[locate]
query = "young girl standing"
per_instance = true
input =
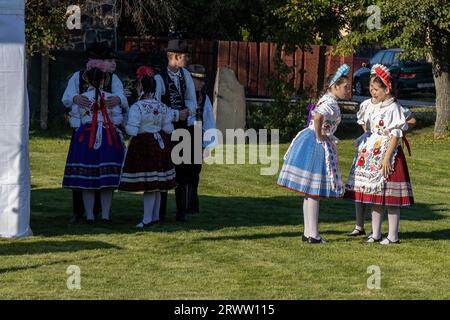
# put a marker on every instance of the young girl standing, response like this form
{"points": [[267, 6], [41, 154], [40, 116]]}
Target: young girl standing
{"points": [[148, 166], [96, 150], [379, 174], [311, 163], [362, 119]]}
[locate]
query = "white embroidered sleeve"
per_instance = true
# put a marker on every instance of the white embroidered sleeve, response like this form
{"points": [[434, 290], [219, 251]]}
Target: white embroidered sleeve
{"points": [[167, 126], [117, 90], [134, 120], [406, 112], [160, 87], [397, 122], [190, 98], [72, 90], [361, 115], [75, 116]]}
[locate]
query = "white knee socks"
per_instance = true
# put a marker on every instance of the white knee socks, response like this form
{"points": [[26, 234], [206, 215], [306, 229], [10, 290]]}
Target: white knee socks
{"points": [[311, 217], [394, 220], [88, 200], [360, 210], [306, 231], [106, 199], [377, 219], [149, 204]]}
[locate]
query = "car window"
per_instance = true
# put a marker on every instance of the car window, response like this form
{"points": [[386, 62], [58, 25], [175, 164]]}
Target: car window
{"points": [[396, 59], [388, 58], [377, 58]]}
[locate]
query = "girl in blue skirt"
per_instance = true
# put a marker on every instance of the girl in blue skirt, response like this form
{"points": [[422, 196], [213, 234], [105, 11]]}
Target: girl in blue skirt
{"points": [[97, 150], [311, 163]]}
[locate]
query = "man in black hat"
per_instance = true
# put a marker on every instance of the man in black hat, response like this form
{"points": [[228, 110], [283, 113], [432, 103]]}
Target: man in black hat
{"points": [[179, 95], [72, 95], [205, 119]]}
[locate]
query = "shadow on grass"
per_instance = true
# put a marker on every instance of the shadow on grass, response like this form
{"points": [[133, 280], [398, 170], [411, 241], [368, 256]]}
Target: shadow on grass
{"points": [[34, 266], [51, 211], [11, 248], [443, 234]]}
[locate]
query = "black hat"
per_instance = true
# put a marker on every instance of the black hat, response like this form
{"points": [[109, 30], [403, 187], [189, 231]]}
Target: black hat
{"points": [[178, 46], [197, 71], [100, 50]]}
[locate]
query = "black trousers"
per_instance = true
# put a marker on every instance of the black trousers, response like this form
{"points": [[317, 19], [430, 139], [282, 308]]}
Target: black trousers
{"points": [[188, 175], [194, 202]]}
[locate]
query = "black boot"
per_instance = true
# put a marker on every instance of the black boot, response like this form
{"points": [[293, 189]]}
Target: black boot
{"points": [[183, 200], [163, 207], [178, 198], [193, 200], [78, 207], [195, 203]]}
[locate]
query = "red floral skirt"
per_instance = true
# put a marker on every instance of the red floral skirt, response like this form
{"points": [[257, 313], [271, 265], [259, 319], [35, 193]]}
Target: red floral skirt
{"points": [[397, 190]]}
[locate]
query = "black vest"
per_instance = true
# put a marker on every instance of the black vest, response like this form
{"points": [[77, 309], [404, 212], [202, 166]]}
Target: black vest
{"points": [[173, 98]]}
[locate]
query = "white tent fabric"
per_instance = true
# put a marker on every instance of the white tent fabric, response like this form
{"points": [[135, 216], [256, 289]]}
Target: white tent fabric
{"points": [[14, 123]]}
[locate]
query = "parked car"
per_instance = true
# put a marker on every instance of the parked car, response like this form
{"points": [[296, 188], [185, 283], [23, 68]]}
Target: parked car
{"points": [[410, 76]]}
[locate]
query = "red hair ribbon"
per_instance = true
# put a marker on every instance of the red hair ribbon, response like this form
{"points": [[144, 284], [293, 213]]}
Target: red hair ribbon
{"points": [[382, 72], [144, 71], [111, 133]]}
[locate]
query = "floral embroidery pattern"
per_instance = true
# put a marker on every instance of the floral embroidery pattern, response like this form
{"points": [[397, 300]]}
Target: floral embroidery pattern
{"points": [[153, 112], [380, 128], [369, 158], [329, 125]]}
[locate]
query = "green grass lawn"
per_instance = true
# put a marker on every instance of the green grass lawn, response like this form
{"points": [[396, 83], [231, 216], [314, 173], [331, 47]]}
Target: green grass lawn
{"points": [[245, 244]]}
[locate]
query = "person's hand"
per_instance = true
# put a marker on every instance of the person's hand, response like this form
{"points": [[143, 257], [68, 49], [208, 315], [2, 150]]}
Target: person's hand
{"points": [[206, 153], [82, 101], [112, 101], [184, 114], [386, 168], [320, 137]]}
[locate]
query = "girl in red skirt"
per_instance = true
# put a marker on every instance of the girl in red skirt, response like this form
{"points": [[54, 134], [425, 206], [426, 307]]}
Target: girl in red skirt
{"points": [[148, 166], [379, 174]]}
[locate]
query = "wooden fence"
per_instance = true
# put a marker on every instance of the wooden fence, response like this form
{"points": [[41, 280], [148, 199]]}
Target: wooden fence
{"points": [[253, 62]]}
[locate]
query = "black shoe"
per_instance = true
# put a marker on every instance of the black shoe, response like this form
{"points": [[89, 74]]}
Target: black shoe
{"points": [[75, 219], [304, 239], [163, 207], [181, 217], [106, 221], [90, 221], [155, 222], [142, 225], [194, 211], [357, 232], [314, 240]]}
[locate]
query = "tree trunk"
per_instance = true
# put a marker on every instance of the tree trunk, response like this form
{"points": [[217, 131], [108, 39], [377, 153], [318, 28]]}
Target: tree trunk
{"points": [[44, 91], [442, 83]]}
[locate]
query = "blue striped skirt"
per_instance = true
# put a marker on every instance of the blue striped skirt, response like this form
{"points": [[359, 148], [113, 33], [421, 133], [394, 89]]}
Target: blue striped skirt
{"points": [[88, 168], [305, 168]]}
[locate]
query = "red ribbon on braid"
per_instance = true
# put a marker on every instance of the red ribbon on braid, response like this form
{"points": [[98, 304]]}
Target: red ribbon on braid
{"points": [[406, 143], [111, 133], [144, 71]]}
